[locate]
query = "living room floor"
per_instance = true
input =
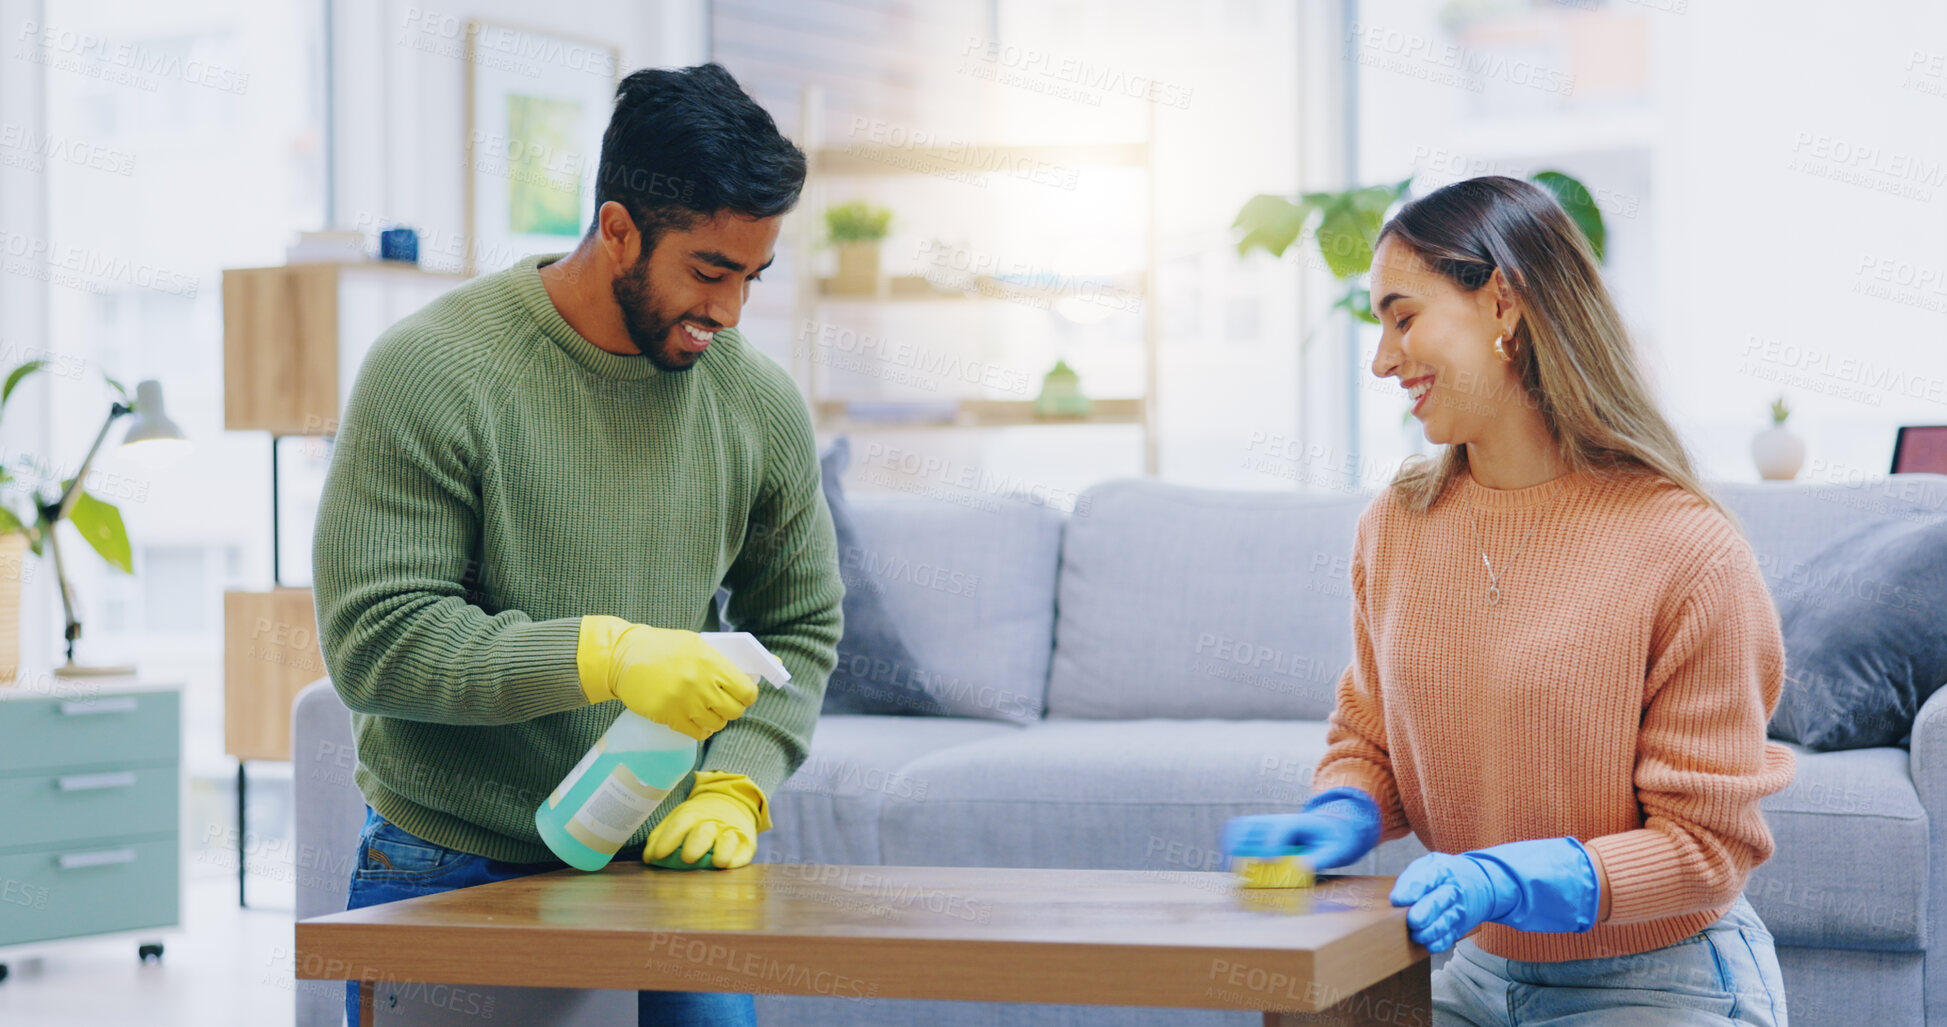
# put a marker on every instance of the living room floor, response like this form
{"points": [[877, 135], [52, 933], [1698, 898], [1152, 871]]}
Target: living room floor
{"points": [[225, 966]]}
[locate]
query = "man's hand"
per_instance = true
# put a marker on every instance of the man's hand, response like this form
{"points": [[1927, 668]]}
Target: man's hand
{"points": [[720, 819], [669, 676]]}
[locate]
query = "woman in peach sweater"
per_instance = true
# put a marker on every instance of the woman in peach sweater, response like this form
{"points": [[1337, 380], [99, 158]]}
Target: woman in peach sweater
{"points": [[1564, 653]]}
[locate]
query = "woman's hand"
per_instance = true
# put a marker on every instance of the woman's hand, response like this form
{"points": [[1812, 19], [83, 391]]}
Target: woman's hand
{"points": [[1543, 885], [1336, 828]]}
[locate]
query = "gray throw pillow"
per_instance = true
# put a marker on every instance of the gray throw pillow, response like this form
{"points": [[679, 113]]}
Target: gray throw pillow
{"points": [[1864, 646], [876, 673]]}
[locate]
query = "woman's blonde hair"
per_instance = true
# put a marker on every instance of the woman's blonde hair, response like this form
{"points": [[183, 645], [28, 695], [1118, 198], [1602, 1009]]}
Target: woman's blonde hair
{"points": [[1574, 357]]}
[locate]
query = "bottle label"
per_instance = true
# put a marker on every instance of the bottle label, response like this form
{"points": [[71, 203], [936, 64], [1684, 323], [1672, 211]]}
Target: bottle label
{"points": [[618, 806], [574, 776]]}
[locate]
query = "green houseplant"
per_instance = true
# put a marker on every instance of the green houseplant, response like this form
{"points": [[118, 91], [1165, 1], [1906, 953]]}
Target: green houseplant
{"points": [[98, 521], [51, 498], [855, 229]]}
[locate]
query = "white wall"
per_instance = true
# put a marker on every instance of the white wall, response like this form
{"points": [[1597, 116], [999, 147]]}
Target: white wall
{"points": [[1728, 243], [1759, 246], [399, 80], [1736, 252]]}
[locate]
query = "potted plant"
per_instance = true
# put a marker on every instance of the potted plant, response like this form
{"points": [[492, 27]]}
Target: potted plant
{"points": [[1061, 393], [855, 229], [1777, 451], [98, 522]]}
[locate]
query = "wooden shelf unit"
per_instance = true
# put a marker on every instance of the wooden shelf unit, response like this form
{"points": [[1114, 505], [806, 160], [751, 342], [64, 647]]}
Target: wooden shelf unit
{"points": [[814, 293], [839, 415], [270, 652], [293, 337], [921, 289]]}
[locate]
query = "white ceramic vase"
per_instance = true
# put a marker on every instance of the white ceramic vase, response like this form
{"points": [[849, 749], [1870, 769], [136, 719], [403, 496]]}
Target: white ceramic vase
{"points": [[1778, 453]]}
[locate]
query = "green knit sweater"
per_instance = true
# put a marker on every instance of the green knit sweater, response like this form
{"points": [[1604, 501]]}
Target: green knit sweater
{"points": [[496, 478]]}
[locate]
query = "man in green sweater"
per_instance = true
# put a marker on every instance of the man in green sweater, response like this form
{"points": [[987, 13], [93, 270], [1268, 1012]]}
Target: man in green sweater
{"points": [[541, 481]]}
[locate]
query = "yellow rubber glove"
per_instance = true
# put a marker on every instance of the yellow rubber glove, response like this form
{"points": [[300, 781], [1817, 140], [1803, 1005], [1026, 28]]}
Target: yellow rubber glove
{"points": [[721, 818], [669, 676]]}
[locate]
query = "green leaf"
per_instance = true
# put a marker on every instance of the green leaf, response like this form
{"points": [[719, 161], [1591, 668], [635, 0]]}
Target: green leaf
{"points": [[14, 379], [20, 372], [1271, 222], [1348, 224], [9, 523], [1357, 302], [857, 221], [120, 389], [1345, 236], [101, 525], [1378, 199], [1581, 207]]}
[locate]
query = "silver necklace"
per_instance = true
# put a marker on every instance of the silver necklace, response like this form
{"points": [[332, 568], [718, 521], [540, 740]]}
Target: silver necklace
{"points": [[1493, 579]]}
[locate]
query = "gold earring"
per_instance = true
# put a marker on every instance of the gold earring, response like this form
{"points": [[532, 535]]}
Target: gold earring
{"points": [[1498, 351]]}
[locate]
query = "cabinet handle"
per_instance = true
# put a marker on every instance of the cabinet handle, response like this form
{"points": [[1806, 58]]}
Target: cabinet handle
{"points": [[84, 707], [88, 782], [105, 857]]}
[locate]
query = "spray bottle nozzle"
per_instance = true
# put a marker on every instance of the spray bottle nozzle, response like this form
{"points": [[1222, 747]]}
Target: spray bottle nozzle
{"points": [[749, 655]]}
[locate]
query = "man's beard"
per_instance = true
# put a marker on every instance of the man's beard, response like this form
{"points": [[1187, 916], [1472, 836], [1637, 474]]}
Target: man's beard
{"points": [[648, 328]]}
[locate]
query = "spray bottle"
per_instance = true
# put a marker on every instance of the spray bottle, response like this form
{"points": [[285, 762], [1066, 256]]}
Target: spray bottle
{"points": [[614, 789]]}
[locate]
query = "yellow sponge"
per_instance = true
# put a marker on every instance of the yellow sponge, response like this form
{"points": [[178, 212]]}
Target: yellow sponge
{"points": [[1276, 872]]}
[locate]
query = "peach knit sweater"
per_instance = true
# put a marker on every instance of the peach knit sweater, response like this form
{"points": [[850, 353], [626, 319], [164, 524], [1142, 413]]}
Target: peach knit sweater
{"points": [[1618, 694]]}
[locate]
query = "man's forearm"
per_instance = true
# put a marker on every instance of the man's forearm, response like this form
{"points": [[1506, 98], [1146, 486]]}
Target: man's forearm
{"points": [[420, 656]]}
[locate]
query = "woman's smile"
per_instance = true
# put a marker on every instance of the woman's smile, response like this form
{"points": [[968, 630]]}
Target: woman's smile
{"points": [[1419, 388]]}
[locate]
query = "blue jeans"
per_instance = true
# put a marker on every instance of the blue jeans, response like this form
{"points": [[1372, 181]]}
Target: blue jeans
{"points": [[1727, 972], [393, 865]]}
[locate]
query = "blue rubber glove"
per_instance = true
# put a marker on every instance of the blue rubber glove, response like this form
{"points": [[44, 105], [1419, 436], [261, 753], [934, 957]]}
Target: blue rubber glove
{"points": [[1336, 828], [1543, 885]]}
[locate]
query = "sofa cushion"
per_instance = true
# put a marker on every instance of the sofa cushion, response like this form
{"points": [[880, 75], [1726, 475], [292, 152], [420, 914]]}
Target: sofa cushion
{"points": [[1122, 795], [875, 672], [1187, 602], [1863, 641], [1850, 867], [1786, 522], [828, 812], [973, 592]]}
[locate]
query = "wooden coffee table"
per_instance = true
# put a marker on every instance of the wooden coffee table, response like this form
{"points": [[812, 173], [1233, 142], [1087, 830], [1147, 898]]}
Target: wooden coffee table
{"points": [[1337, 953]]}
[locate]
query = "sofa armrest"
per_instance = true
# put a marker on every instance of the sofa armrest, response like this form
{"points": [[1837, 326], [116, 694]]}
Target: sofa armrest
{"points": [[1927, 763], [1927, 755], [329, 811]]}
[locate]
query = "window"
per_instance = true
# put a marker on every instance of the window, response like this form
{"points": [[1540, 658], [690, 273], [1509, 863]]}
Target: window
{"points": [[180, 139]]}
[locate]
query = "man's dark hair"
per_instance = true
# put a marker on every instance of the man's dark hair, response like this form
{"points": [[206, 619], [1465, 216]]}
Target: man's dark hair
{"points": [[687, 143]]}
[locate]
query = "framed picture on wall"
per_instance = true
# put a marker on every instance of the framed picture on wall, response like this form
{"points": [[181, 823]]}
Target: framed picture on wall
{"points": [[537, 104]]}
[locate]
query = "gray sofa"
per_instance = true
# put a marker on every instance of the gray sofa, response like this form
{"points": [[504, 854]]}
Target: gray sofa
{"points": [[1181, 647]]}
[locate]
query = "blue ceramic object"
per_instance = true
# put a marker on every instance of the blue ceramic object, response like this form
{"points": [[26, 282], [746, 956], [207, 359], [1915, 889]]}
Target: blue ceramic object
{"points": [[399, 244]]}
